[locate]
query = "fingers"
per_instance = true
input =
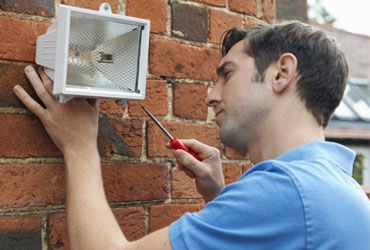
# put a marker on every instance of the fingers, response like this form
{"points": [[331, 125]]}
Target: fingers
{"points": [[29, 102], [188, 162], [203, 150], [39, 86], [94, 102], [48, 83], [194, 145], [189, 173]]}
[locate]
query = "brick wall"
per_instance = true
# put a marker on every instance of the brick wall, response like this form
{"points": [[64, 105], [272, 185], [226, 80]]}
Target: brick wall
{"points": [[141, 185]]}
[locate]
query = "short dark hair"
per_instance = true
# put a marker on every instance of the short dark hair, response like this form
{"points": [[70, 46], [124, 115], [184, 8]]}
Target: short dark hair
{"points": [[322, 67]]}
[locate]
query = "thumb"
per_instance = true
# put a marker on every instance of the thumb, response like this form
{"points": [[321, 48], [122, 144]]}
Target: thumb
{"points": [[188, 161]]}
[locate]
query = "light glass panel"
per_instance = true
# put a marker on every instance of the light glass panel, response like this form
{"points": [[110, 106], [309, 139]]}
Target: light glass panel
{"points": [[102, 54]]}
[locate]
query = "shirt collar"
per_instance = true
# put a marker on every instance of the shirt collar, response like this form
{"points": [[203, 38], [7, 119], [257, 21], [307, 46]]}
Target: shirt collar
{"points": [[342, 156]]}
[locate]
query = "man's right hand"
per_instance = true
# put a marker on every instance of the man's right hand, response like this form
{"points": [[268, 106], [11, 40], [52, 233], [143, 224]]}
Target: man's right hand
{"points": [[208, 172]]}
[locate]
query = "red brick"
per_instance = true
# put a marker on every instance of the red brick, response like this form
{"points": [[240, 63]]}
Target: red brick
{"points": [[130, 219], [93, 5], [169, 58], [182, 186], [31, 185], [20, 232], [57, 232], [219, 22], [268, 8], [154, 10], [248, 7], [11, 75], [246, 167], [33, 7], [189, 101], [157, 140], [132, 182], [42, 28], [250, 22], [231, 172], [24, 136], [122, 137], [18, 38], [20, 223], [163, 215], [233, 154], [155, 100], [35, 184], [189, 22], [219, 3], [109, 106]]}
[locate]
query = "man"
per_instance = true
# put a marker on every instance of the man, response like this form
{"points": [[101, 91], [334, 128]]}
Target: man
{"points": [[277, 87]]}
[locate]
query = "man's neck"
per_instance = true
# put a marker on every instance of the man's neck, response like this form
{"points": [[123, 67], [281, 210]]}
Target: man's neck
{"points": [[285, 135]]}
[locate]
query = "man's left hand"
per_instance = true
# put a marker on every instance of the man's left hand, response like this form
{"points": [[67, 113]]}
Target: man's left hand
{"points": [[72, 126]]}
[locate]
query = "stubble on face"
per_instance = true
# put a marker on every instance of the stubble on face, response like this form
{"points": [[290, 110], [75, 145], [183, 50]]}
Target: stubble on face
{"points": [[243, 104], [244, 124]]}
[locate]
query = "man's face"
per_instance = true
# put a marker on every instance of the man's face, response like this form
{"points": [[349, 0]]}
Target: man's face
{"points": [[241, 104]]}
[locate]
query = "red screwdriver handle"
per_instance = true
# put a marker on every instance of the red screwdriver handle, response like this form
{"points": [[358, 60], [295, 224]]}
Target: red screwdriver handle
{"points": [[176, 144]]}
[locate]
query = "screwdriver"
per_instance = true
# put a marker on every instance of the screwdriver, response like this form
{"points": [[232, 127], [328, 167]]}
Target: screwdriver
{"points": [[175, 143]]}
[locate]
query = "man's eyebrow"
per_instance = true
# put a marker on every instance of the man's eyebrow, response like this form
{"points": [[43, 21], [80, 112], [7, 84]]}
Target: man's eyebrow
{"points": [[221, 68]]}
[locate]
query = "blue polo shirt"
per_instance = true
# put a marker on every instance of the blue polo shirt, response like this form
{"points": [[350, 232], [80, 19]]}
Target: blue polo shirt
{"points": [[304, 199]]}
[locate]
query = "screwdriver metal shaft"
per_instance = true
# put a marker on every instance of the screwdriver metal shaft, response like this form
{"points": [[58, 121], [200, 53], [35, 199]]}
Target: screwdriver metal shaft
{"points": [[157, 122], [175, 143]]}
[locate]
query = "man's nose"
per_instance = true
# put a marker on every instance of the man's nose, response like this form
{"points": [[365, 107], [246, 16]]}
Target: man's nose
{"points": [[214, 97]]}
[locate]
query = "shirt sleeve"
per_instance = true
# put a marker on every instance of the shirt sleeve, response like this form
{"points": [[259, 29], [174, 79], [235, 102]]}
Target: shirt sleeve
{"points": [[262, 210]]}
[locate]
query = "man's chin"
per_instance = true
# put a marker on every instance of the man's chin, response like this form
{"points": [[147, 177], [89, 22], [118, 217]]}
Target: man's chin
{"points": [[232, 140]]}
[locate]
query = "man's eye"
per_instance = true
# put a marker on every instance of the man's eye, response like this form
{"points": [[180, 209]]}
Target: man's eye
{"points": [[227, 74]]}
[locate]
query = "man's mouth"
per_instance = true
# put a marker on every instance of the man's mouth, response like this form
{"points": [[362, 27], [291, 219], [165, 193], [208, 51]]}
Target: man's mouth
{"points": [[218, 112], [219, 118]]}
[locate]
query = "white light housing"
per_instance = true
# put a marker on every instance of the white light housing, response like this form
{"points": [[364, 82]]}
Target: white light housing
{"points": [[95, 54]]}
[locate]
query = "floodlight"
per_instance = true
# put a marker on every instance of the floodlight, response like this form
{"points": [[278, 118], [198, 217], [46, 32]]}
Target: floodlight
{"points": [[95, 54]]}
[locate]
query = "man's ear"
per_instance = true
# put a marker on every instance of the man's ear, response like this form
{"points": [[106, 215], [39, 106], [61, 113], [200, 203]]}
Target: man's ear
{"points": [[285, 72]]}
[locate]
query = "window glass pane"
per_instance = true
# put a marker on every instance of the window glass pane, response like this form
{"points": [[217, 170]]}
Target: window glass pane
{"points": [[365, 89], [343, 112], [362, 109]]}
